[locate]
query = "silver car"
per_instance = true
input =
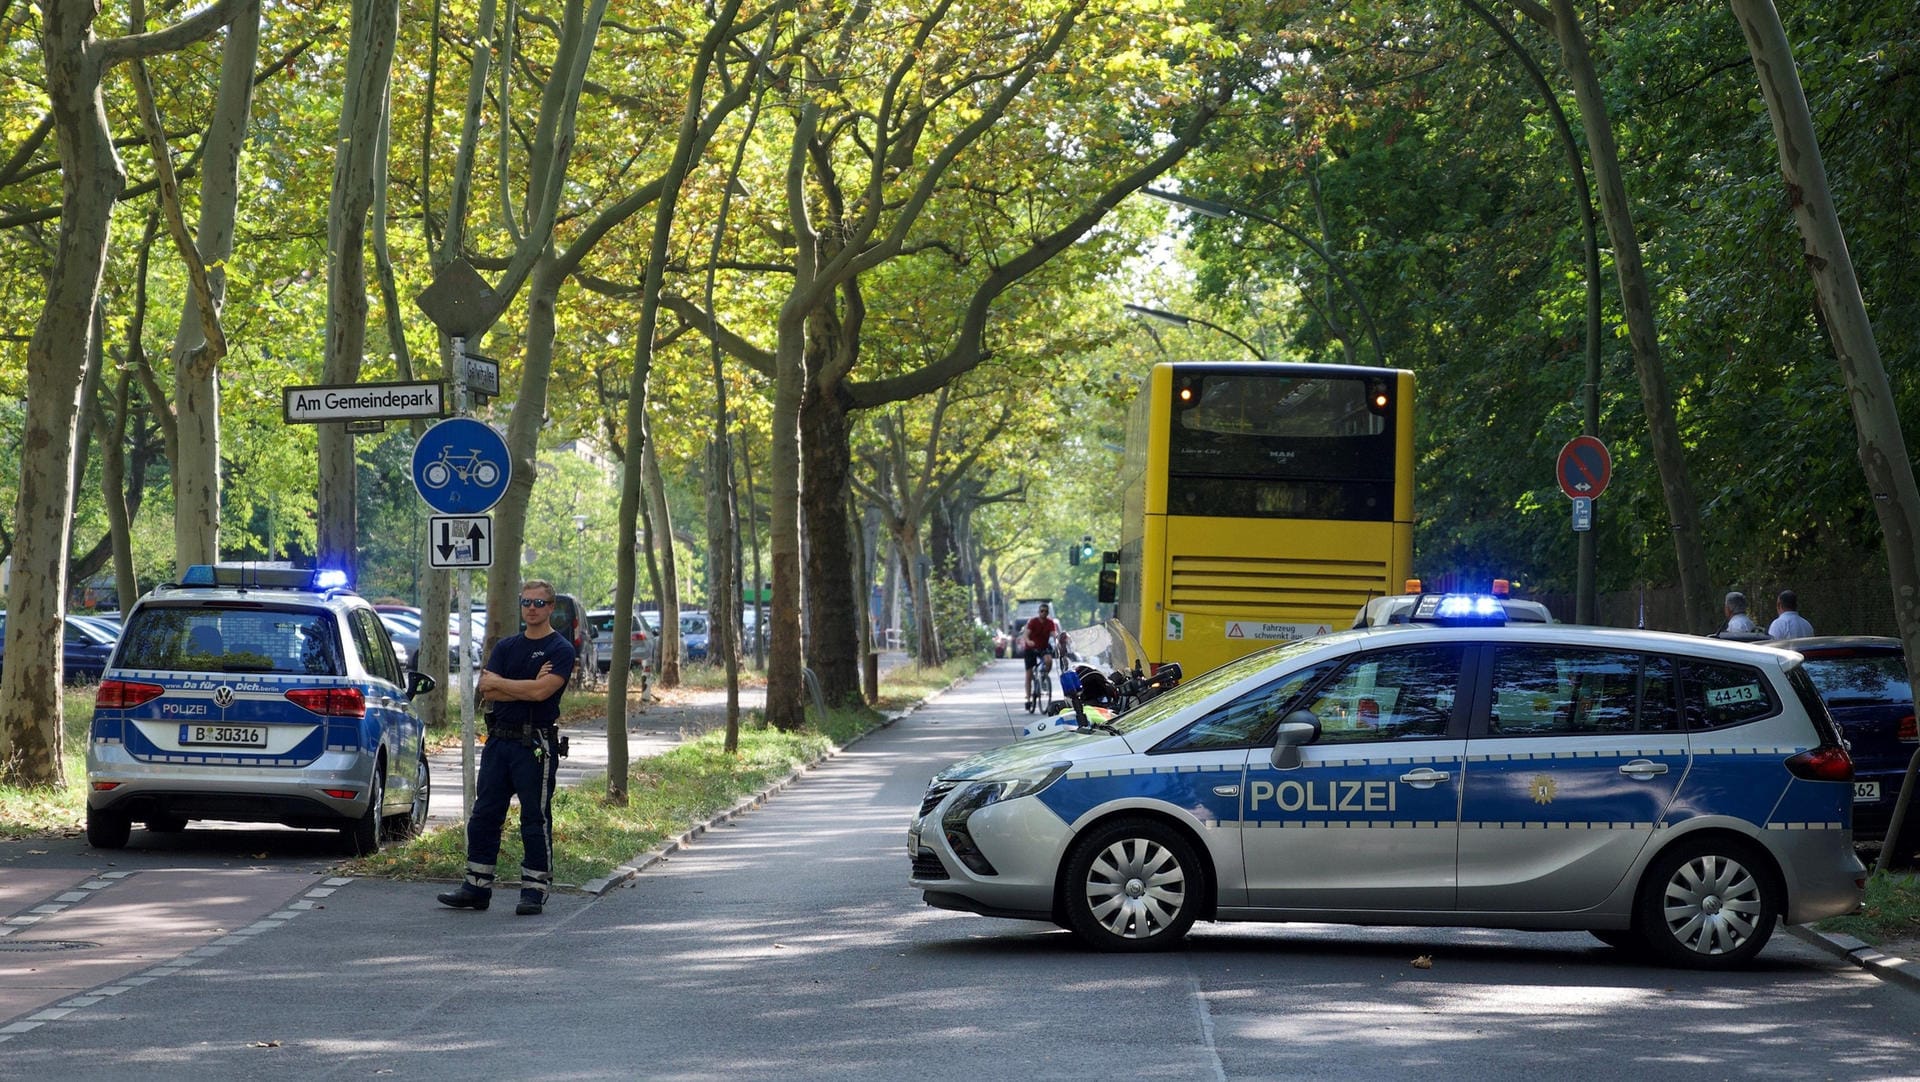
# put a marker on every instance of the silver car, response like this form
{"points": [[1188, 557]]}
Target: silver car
{"points": [[1664, 792]]}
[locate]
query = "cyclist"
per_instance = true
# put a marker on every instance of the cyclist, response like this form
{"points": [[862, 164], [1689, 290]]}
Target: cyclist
{"points": [[1037, 642]]}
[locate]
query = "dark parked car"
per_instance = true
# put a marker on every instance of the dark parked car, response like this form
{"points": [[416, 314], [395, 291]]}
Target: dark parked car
{"points": [[84, 648], [1863, 679]]}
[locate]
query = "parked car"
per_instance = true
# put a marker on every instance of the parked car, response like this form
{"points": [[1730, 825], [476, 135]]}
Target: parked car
{"points": [[643, 640], [260, 694], [1671, 794], [85, 648], [694, 634], [1863, 681]]}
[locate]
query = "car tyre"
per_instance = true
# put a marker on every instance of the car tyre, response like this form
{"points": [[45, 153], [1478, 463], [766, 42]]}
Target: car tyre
{"points": [[362, 837], [167, 824], [1708, 904], [108, 830], [1132, 885], [410, 825]]}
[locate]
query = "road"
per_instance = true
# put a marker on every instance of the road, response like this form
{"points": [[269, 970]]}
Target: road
{"points": [[786, 945]]}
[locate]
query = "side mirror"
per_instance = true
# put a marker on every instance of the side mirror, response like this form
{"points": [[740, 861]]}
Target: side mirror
{"points": [[419, 683], [1109, 585], [1296, 729]]}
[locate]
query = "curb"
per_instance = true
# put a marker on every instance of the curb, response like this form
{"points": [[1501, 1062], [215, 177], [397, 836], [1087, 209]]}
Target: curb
{"points": [[1887, 967], [643, 861]]}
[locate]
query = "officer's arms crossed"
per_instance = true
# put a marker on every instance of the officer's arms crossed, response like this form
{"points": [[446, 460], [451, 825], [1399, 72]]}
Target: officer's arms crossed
{"points": [[497, 688]]}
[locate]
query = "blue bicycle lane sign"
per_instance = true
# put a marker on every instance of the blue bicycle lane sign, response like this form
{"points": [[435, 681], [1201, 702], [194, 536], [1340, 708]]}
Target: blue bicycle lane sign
{"points": [[460, 466]]}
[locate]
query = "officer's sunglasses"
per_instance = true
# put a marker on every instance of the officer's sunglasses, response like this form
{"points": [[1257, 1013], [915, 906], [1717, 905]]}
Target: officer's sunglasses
{"points": [[534, 602]]}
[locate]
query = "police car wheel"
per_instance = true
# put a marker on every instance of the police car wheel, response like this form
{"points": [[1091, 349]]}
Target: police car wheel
{"points": [[1132, 885], [363, 836], [1708, 904], [108, 830]]}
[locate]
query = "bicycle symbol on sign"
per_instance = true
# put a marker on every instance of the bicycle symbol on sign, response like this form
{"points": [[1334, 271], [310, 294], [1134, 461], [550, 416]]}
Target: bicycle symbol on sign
{"points": [[469, 468]]}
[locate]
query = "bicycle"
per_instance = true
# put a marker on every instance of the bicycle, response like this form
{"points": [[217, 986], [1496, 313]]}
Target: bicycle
{"points": [[468, 467], [1039, 687]]}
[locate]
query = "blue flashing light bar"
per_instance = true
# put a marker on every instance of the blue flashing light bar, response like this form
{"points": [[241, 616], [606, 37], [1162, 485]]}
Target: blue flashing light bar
{"points": [[265, 576], [1482, 610]]}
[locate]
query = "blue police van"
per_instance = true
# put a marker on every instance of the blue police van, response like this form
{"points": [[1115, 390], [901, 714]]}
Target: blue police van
{"points": [[1672, 795], [257, 693]]}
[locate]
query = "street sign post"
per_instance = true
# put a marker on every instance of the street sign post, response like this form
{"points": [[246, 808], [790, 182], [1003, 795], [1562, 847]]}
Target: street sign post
{"points": [[459, 541], [320, 403], [460, 466], [1584, 467]]}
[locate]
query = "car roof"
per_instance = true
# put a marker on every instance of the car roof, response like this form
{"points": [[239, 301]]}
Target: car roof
{"points": [[1832, 647], [1667, 642]]}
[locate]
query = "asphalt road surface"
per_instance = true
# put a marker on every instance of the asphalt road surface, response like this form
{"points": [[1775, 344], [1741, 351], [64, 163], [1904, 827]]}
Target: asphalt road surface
{"points": [[786, 945]]}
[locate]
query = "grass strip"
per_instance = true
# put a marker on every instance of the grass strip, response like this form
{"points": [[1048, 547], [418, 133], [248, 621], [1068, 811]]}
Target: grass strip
{"points": [[1890, 913]]}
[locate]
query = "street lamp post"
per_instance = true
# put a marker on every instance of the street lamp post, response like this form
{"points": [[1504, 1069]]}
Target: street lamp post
{"points": [[1178, 320], [580, 557]]}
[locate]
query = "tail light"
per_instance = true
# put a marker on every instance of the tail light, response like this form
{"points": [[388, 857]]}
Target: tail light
{"points": [[1907, 730], [126, 694], [641, 636], [1828, 763], [332, 702]]}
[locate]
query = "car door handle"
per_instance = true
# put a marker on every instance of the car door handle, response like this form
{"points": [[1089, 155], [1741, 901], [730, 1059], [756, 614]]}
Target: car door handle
{"points": [[1643, 769], [1425, 778]]}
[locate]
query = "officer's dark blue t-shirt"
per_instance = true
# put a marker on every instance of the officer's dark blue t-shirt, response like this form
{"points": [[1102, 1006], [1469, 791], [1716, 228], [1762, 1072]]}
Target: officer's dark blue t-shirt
{"points": [[518, 658]]}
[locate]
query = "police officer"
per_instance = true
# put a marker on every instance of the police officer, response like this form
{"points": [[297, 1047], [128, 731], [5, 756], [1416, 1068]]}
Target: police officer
{"points": [[521, 686]]}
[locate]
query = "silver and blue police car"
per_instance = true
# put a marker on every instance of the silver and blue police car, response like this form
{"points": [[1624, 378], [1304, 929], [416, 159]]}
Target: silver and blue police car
{"points": [[257, 693], [1670, 794]]}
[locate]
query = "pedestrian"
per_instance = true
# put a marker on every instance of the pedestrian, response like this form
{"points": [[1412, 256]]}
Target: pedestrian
{"points": [[1789, 624], [521, 685], [1738, 622]]}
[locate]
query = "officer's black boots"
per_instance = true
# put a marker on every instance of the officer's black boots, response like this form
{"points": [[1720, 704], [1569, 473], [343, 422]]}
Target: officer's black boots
{"points": [[467, 897], [533, 892]]}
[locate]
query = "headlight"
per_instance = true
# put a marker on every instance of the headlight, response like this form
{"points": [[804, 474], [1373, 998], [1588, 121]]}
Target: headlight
{"points": [[980, 794], [994, 790]]}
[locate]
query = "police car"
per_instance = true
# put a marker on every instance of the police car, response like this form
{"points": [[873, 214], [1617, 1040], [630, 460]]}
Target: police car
{"points": [[259, 694], [1667, 793]]}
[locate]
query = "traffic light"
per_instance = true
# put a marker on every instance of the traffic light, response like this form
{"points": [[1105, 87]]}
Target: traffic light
{"points": [[1073, 555], [1086, 549]]}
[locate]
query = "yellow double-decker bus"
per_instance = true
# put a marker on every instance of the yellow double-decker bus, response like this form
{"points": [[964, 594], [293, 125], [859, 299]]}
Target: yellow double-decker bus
{"points": [[1264, 502]]}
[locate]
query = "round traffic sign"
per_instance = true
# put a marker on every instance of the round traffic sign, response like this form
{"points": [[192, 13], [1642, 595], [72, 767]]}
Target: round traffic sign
{"points": [[1584, 467], [460, 466]]}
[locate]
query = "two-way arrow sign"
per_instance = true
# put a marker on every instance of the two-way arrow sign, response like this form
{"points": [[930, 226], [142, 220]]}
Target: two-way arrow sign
{"points": [[460, 541]]}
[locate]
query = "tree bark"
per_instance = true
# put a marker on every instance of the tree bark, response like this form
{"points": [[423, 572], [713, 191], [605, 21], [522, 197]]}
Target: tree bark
{"points": [[363, 105], [1636, 299], [1882, 447], [833, 641]]}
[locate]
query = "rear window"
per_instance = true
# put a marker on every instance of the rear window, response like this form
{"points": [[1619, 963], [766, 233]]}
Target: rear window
{"points": [[298, 642], [1716, 694], [1870, 678]]}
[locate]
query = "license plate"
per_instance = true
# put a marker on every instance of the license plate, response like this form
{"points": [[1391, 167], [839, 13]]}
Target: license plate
{"points": [[224, 736], [1864, 791]]}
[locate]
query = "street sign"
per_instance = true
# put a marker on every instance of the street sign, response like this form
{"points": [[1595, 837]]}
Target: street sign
{"points": [[460, 466], [316, 404], [1584, 467], [1582, 513], [482, 375], [365, 428], [460, 541]]}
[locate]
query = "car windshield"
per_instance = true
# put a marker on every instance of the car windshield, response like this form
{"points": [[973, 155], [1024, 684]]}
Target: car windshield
{"points": [[1863, 678], [201, 639], [1165, 705]]}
